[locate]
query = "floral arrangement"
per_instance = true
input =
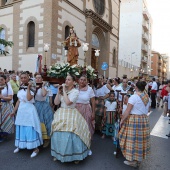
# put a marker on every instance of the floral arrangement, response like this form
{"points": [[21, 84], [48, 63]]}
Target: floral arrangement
{"points": [[61, 70]]}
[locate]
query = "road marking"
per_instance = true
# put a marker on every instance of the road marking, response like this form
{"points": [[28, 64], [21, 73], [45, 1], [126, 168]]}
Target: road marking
{"points": [[162, 128], [149, 113]]}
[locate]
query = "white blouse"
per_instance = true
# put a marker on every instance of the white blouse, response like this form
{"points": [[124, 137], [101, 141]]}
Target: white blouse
{"points": [[72, 95], [138, 106], [85, 96], [111, 106], [116, 93], [101, 91], [7, 92], [39, 96], [22, 96]]}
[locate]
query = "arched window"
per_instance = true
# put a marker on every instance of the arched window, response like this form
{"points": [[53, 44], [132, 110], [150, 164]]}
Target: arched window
{"points": [[95, 40], [67, 31], [2, 36], [114, 57], [31, 34], [99, 6]]}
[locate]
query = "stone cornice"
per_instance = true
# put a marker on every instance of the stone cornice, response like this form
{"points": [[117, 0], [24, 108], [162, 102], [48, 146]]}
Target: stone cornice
{"points": [[96, 18], [10, 4], [75, 7]]}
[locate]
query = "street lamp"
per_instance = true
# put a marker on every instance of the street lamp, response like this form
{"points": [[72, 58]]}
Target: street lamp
{"points": [[131, 57], [85, 49], [97, 53]]}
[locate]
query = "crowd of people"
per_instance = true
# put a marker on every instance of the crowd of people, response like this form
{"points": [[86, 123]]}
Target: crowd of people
{"points": [[68, 115]]}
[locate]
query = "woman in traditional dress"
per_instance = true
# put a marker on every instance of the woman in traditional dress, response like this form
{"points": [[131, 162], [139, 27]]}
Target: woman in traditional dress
{"points": [[117, 88], [71, 138], [6, 96], [86, 95], [101, 93], [134, 136], [44, 110], [28, 127]]}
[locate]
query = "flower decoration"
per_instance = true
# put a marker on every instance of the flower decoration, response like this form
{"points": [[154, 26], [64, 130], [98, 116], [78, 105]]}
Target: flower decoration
{"points": [[60, 70]]}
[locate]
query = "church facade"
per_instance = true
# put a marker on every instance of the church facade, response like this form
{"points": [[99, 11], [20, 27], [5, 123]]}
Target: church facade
{"points": [[30, 24]]}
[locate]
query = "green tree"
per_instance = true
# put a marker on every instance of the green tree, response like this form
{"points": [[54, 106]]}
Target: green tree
{"points": [[5, 43]]}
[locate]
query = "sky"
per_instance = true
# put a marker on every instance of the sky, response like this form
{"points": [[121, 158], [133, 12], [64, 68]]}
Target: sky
{"points": [[160, 13]]}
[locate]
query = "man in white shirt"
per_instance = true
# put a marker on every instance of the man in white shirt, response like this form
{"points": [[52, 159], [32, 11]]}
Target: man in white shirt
{"points": [[153, 93]]}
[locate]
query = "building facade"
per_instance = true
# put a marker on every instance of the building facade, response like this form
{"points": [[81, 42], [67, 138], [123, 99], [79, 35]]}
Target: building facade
{"points": [[135, 39], [31, 23], [159, 66]]}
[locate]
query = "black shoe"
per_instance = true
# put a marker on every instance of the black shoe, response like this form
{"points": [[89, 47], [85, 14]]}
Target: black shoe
{"points": [[168, 135], [162, 106]]}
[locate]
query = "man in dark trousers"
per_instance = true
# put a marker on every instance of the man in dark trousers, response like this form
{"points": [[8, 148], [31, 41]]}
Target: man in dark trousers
{"points": [[153, 93]]}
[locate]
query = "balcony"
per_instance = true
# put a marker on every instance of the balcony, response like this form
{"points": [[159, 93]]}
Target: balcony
{"points": [[146, 14], [144, 48], [145, 26], [144, 59], [145, 37]]}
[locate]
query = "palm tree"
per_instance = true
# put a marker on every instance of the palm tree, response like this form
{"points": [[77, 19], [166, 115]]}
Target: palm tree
{"points": [[5, 43]]}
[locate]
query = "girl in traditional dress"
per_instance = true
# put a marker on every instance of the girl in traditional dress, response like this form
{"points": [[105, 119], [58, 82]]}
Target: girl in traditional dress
{"points": [[6, 96], [44, 110], [28, 127], [85, 97], [71, 138], [109, 116], [116, 88], [101, 93], [134, 136]]}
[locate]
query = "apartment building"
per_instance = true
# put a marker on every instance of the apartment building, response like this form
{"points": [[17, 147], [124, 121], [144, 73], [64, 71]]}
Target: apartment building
{"points": [[159, 66], [135, 39]]}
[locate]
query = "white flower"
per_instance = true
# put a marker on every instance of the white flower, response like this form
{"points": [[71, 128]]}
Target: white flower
{"points": [[73, 66], [58, 67], [76, 73], [62, 64]]}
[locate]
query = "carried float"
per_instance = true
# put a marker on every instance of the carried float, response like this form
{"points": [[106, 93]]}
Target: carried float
{"points": [[57, 73]]}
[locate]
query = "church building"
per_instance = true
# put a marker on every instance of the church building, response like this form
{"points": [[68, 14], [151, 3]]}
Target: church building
{"points": [[31, 23]]}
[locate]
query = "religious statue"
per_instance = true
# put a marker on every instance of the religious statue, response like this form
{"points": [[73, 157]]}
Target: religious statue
{"points": [[72, 43]]}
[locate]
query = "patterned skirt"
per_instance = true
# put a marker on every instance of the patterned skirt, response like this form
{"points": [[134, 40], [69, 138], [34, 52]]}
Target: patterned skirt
{"points": [[99, 111], [68, 147], [134, 137], [109, 124], [86, 112], [7, 123], [45, 114], [26, 137], [71, 138]]}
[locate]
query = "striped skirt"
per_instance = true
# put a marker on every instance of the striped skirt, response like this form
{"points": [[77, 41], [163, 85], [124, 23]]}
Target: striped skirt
{"points": [[99, 111], [7, 123], [134, 138], [86, 112], [109, 124], [45, 114]]}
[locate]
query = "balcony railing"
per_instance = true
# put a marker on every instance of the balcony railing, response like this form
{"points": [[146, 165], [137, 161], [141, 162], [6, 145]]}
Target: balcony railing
{"points": [[145, 37], [144, 48], [145, 26], [146, 14], [144, 59]]}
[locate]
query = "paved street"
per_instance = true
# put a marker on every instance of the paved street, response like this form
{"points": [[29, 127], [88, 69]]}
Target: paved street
{"points": [[102, 158]]}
